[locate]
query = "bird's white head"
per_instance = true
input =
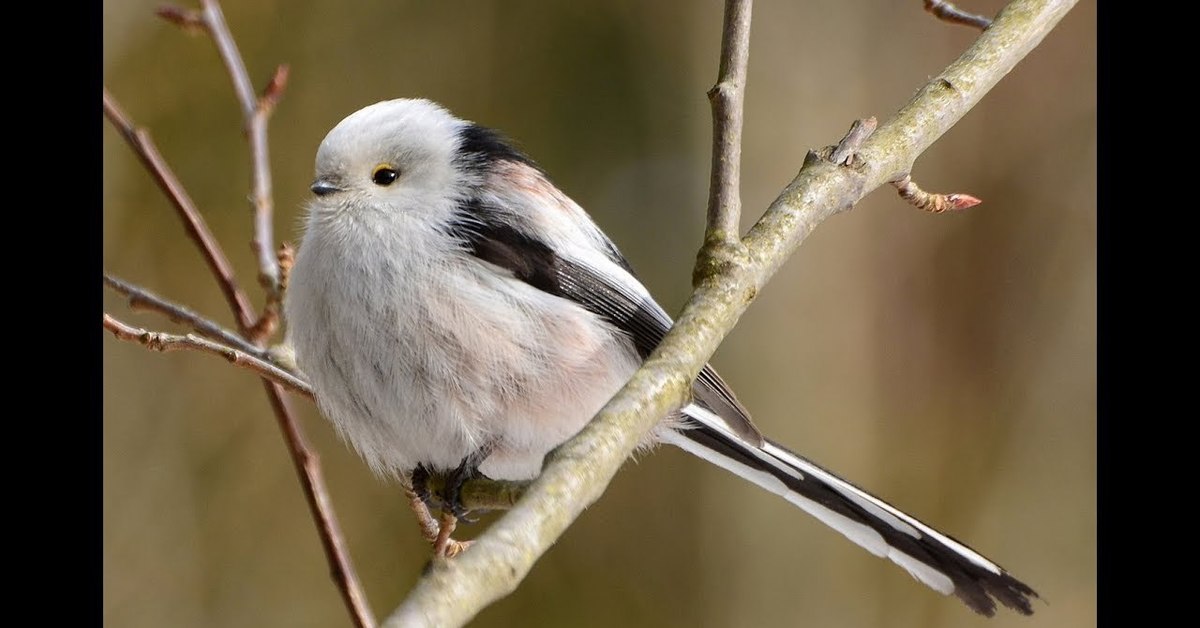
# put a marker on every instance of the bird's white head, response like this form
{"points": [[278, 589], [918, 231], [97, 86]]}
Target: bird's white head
{"points": [[395, 151]]}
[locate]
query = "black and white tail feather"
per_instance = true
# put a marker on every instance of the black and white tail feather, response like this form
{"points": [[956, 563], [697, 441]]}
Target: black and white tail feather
{"points": [[942, 563]]}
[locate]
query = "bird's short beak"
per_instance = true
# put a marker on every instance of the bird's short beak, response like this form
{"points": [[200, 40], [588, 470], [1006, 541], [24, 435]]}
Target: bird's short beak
{"points": [[322, 187]]}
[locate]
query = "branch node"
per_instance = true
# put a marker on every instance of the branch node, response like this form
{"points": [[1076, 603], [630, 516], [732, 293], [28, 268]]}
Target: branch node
{"points": [[721, 253], [846, 151]]}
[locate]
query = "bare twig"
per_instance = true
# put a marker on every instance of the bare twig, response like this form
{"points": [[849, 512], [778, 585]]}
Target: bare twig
{"points": [[306, 462], [255, 113], [931, 201], [160, 341], [726, 99], [576, 473], [139, 140], [312, 480], [947, 12], [142, 299]]}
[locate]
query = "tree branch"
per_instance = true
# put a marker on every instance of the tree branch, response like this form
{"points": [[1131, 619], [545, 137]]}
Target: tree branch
{"points": [[947, 12], [255, 113], [726, 99], [576, 473], [142, 299], [139, 140], [160, 341]]}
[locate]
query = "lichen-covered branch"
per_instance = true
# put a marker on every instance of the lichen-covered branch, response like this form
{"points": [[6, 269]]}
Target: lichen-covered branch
{"points": [[576, 474]]}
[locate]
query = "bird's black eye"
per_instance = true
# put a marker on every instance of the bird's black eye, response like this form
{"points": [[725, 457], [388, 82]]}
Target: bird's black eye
{"points": [[384, 175]]}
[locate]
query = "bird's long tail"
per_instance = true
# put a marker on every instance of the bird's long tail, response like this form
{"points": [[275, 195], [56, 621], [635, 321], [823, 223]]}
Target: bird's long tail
{"points": [[939, 561]]}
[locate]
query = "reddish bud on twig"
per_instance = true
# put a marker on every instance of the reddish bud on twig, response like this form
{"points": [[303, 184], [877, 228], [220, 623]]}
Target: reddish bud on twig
{"points": [[190, 21], [931, 201], [274, 90], [287, 258]]}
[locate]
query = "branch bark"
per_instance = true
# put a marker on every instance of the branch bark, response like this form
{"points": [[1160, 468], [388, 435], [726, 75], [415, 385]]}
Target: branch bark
{"points": [[142, 299], [947, 12], [727, 98], [161, 341], [576, 474], [197, 229]]}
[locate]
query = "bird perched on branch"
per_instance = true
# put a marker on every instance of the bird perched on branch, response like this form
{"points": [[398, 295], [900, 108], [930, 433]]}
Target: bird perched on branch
{"points": [[457, 313]]}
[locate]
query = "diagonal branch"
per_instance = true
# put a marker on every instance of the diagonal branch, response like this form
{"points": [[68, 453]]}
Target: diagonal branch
{"points": [[139, 140], [576, 474], [142, 299]]}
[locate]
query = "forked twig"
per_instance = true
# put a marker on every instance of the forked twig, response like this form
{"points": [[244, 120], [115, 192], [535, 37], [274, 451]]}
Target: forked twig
{"points": [[139, 140], [162, 341]]}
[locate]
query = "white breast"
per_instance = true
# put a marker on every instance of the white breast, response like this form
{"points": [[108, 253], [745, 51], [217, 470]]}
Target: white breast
{"points": [[420, 353]]}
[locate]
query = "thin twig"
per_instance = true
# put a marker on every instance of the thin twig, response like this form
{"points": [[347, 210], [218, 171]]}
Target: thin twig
{"points": [[726, 99], [142, 299], [161, 341], [312, 480], [932, 202], [947, 12], [256, 111], [577, 473], [139, 140]]}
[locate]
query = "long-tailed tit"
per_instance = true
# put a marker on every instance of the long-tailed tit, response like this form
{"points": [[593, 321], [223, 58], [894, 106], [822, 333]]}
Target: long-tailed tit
{"points": [[455, 311]]}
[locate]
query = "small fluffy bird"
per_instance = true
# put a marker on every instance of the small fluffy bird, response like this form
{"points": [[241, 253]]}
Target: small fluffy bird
{"points": [[457, 313]]}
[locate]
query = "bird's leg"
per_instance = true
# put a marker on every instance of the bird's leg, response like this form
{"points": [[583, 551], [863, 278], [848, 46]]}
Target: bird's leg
{"points": [[436, 532], [420, 483], [468, 470], [416, 491], [443, 545]]}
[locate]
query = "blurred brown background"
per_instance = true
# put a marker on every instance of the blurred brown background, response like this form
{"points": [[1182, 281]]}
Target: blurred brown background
{"points": [[946, 363]]}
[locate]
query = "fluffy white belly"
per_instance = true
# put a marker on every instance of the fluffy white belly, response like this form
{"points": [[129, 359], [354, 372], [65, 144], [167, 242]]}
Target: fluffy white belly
{"points": [[411, 371]]}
